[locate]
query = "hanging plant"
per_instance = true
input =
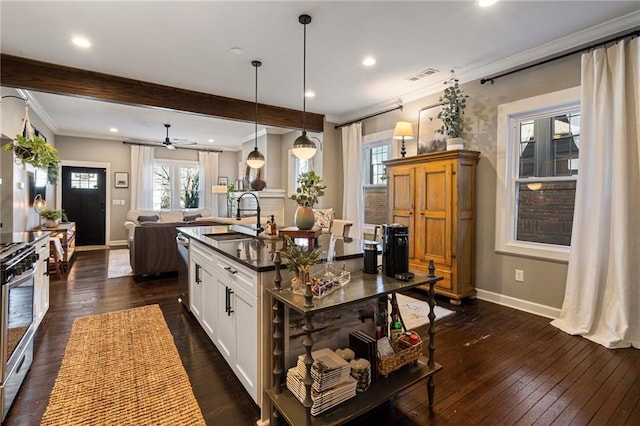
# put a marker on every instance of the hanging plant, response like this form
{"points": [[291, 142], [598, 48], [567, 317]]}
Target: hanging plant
{"points": [[37, 152], [454, 102]]}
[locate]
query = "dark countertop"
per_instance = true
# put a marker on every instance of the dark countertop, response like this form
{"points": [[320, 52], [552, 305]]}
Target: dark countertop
{"points": [[257, 253]]}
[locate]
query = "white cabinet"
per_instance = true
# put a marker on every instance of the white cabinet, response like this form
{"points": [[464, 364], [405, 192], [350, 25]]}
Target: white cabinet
{"points": [[224, 299], [202, 291], [41, 284]]}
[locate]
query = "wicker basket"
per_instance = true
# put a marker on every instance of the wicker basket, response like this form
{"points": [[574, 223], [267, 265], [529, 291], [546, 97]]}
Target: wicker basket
{"points": [[405, 353]]}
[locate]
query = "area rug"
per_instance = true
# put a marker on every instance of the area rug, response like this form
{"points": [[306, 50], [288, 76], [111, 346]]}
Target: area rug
{"points": [[122, 368], [119, 265], [414, 312]]}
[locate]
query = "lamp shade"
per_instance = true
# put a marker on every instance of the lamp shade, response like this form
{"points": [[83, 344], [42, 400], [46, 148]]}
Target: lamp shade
{"points": [[304, 147], [219, 189], [39, 203], [403, 130], [255, 160]]}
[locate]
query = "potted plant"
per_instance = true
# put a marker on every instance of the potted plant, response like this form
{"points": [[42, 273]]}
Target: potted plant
{"points": [[299, 262], [53, 217], [454, 102], [37, 152], [310, 188]]}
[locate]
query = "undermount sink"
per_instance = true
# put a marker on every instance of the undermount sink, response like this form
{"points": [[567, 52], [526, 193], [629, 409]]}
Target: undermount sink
{"points": [[230, 237]]}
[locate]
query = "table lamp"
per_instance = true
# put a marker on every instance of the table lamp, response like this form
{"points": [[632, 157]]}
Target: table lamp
{"points": [[403, 131]]}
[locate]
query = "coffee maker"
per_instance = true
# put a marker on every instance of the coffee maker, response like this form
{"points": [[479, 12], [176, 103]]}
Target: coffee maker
{"points": [[395, 249]]}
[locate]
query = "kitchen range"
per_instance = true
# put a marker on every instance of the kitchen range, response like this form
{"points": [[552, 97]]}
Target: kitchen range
{"points": [[18, 275]]}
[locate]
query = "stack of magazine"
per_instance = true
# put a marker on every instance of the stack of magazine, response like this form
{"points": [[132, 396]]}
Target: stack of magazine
{"points": [[332, 382]]}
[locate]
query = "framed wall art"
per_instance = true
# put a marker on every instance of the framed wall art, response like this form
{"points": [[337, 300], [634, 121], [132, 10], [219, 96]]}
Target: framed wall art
{"points": [[428, 139], [223, 180], [121, 180]]}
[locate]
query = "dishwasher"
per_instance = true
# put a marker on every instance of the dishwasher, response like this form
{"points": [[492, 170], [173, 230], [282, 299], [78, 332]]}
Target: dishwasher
{"points": [[183, 273]]}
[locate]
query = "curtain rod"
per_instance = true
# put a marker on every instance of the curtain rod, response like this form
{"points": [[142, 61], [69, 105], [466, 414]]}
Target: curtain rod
{"points": [[177, 147], [368, 116], [564, 55]]}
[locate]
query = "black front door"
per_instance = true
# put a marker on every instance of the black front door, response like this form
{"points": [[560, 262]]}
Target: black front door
{"points": [[84, 200]]}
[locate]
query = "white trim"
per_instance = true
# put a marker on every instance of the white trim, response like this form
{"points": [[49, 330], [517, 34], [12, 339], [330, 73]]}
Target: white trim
{"points": [[116, 243], [39, 110], [505, 171], [519, 304], [97, 165]]}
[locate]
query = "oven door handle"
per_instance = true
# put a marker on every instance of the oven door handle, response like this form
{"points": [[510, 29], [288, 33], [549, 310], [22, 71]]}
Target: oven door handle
{"points": [[19, 279]]}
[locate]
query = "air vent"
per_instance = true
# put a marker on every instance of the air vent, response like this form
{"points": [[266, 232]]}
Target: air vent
{"points": [[422, 74]]}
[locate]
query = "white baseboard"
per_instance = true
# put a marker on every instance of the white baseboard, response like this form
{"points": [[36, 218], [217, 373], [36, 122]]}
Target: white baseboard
{"points": [[117, 243], [519, 304]]}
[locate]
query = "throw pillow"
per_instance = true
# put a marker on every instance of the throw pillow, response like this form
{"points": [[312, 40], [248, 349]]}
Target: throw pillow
{"points": [[153, 218], [192, 217], [323, 217]]}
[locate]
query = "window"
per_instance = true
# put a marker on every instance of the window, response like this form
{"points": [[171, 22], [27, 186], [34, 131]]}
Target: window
{"points": [[175, 185], [538, 160], [84, 180], [296, 167], [375, 181]]}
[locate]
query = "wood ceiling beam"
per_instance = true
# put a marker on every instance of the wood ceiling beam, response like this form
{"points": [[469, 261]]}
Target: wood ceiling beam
{"points": [[28, 74]]}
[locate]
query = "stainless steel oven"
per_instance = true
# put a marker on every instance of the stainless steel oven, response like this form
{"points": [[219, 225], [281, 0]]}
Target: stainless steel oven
{"points": [[17, 269]]}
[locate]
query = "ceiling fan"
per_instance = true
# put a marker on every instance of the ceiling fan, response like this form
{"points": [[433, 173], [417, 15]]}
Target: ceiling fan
{"points": [[172, 145], [167, 142]]}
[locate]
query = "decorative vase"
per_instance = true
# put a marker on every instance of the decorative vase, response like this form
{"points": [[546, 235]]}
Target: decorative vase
{"points": [[299, 282], [304, 218], [455, 143]]}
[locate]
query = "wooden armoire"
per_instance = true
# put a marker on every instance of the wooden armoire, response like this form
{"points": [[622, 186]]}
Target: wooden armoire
{"points": [[434, 196]]}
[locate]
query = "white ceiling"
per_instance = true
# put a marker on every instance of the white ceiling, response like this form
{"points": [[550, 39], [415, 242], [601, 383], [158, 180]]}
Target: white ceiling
{"points": [[187, 45]]}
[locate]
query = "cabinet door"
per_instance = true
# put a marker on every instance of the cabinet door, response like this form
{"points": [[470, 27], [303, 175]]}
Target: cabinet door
{"points": [[245, 309], [401, 200], [225, 338], [209, 304], [434, 212], [43, 273], [195, 287]]}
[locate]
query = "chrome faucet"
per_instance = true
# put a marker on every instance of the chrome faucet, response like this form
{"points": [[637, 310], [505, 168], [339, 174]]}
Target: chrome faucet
{"points": [[259, 228]]}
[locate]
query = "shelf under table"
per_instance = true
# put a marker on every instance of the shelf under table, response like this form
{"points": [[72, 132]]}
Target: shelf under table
{"points": [[379, 392]]}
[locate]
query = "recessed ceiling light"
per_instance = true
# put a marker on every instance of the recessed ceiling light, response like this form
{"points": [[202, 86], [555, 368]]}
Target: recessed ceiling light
{"points": [[210, 141], [369, 61], [236, 51], [81, 41], [486, 3], [113, 130], [310, 94]]}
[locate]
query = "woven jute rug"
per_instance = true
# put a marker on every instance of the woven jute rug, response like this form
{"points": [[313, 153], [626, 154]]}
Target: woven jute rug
{"points": [[122, 368]]}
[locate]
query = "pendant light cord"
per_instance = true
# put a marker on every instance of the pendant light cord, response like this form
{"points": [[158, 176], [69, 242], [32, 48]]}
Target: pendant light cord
{"points": [[304, 80], [255, 64]]}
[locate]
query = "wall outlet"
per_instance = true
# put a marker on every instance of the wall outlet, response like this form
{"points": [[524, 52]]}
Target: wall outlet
{"points": [[519, 275]]}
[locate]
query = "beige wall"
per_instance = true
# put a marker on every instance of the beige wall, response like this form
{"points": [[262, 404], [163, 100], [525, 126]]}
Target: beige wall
{"points": [[544, 280]]}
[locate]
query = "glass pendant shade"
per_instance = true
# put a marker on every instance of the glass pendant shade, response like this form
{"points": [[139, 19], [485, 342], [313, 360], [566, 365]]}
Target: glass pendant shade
{"points": [[39, 204], [304, 147], [255, 160]]}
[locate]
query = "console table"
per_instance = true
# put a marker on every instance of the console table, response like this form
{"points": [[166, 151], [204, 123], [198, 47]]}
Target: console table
{"points": [[66, 232], [362, 287]]}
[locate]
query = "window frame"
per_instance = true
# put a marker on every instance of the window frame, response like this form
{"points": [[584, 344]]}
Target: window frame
{"points": [[176, 165], [292, 184], [507, 161]]}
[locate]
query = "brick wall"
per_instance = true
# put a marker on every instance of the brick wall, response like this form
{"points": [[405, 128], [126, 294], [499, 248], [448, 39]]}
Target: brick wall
{"points": [[375, 205], [546, 215]]}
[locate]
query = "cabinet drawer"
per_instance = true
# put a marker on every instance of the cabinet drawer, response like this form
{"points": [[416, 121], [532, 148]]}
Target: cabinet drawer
{"points": [[239, 275]]}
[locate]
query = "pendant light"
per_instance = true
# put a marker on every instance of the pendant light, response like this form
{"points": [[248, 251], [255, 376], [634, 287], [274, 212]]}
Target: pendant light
{"points": [[255, 160], [304, 147]]}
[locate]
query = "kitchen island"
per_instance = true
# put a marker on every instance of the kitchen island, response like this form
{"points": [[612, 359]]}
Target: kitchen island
{"points": [[231, 284]]}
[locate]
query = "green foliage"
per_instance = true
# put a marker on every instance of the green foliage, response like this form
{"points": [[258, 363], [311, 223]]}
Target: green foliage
{"points": [[454, 102], [190, 196], [54, 214], [299, 260], [37, 152], [310, 188]]}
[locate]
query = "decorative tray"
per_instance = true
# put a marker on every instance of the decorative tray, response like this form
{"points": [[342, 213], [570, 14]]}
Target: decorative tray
{"points": [[330, 278]]}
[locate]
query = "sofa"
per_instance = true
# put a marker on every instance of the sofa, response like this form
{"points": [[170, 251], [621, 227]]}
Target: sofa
{"points": [[152, 238]]}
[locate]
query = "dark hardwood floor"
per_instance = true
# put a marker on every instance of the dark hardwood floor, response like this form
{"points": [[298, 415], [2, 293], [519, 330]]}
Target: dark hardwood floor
{"points": [[501, 366]]}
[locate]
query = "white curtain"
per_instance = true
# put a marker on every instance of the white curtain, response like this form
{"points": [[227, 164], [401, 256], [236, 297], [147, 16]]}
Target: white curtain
{"points": [[142, 177], [208, 162], [352, 202], [602, 297]]}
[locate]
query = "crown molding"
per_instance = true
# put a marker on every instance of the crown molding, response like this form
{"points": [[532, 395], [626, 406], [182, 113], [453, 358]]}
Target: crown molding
{"points": [[36, 107]]}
